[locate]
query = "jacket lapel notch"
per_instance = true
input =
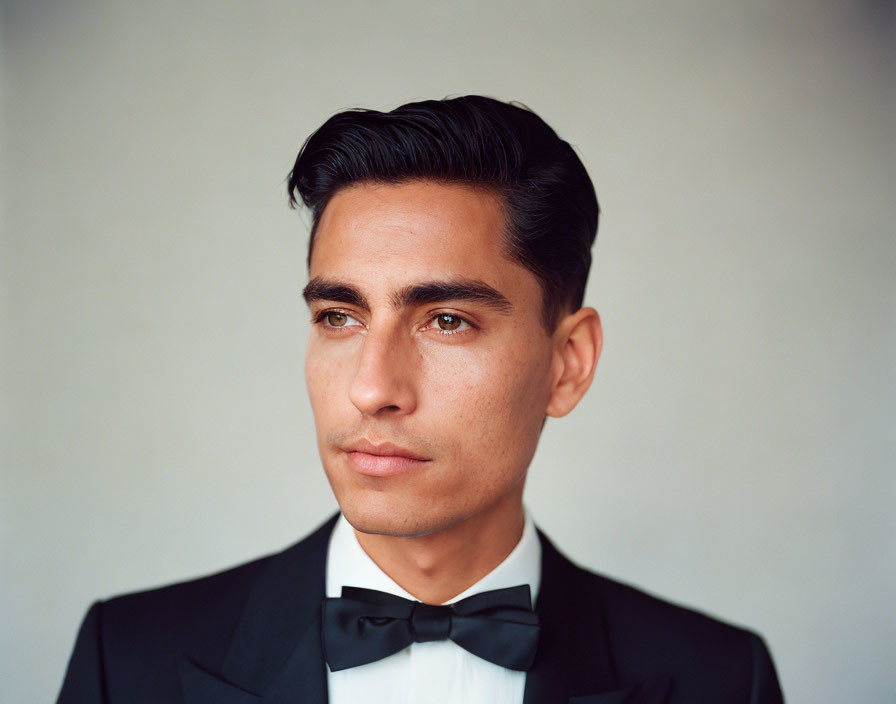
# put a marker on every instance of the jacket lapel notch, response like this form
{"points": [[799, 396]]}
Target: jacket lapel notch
{"points": [[275, 654], [200, 686]]}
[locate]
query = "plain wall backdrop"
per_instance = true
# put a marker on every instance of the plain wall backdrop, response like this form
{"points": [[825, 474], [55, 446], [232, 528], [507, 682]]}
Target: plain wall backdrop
{"points": [[736, 452]]}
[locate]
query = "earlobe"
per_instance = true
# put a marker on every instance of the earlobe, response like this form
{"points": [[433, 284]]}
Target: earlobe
{"points": [[578, 342]]}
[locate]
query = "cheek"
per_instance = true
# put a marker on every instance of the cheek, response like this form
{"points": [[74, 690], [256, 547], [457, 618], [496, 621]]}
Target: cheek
{"points": [[495, 403], [322, 378]]}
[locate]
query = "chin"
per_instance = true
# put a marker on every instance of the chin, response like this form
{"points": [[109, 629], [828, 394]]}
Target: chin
{"points": [[380, 515]]}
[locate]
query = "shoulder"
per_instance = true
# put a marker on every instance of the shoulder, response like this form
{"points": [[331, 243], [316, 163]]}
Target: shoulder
{"points": [[190, 615], [630, 612], [137, 642], [709, 659], [203, 609], [648, 636], [644, 627]]}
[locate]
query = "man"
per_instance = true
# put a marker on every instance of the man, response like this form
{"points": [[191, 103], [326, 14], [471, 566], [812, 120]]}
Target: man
{"points": [[449, 251]]}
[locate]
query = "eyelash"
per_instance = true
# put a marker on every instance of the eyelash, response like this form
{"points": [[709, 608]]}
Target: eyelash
{"points": [[321, 319], [447, 333]]}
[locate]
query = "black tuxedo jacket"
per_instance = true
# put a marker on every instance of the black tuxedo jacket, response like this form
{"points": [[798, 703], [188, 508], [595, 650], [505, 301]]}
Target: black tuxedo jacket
{"points": [[251, 635]]}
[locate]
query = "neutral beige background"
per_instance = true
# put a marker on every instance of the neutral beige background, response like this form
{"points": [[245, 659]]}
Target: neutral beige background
{"points": [[736, 452]]}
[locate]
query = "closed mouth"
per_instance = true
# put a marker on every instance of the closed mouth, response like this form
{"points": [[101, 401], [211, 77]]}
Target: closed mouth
{"points": [[383, 459]]}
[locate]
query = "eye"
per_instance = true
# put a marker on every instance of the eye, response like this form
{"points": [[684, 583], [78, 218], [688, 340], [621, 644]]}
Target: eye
{"points": [[336, 319], [448, 323]]}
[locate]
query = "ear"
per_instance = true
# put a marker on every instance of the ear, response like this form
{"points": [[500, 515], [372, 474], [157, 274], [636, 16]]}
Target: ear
{"points": [[578, 340]]}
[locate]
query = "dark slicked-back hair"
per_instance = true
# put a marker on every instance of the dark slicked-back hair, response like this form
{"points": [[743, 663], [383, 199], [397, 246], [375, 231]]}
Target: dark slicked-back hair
{"points": [[549, 201]]}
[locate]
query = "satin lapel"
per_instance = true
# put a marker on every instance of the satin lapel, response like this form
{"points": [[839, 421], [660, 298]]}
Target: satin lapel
{"points": [[573, 653], [654, 691], [203, 687], [275, 655]]}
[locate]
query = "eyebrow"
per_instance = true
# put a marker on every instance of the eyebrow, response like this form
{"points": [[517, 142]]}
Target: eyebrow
{"points": [[319, 289], [472, 290]]}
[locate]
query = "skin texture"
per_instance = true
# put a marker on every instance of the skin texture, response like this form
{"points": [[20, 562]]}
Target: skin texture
{"points": [[460, 400]]}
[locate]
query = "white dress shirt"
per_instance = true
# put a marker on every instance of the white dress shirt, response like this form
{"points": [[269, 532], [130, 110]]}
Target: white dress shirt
{"points": [[436, 672]]}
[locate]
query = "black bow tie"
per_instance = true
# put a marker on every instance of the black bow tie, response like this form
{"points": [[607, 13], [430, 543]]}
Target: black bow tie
{"points": [[366, 625]]}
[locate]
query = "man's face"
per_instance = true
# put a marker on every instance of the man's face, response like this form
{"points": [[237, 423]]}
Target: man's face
{"points": [[428, 366]]}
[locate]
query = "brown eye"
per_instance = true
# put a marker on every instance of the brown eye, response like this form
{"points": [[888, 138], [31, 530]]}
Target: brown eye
{"points": [[448, 322], [335, 319]]}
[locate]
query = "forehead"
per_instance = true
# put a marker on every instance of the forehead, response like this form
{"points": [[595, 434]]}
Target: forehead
{"points": [[418, 230]]}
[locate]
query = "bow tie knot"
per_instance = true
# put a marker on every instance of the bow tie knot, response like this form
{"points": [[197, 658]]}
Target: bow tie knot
{"points": [[366, 625], [429, 622]]}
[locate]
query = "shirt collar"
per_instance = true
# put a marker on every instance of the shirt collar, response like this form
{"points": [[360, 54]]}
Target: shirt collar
{"points": [[349, 565]]}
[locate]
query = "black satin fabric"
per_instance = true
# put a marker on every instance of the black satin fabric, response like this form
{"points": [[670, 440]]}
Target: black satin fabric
{"points": [[367, 625]]}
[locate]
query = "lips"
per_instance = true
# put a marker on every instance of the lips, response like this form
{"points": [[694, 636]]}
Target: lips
{"points": [[383, 460]]}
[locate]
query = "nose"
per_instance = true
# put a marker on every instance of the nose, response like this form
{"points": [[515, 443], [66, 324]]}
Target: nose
{"points": [[383, 382]]}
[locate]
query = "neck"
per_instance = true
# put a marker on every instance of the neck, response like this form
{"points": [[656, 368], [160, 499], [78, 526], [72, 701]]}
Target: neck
{"points": [[437, 567]]}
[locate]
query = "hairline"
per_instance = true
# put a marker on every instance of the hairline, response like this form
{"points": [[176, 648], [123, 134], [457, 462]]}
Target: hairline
{"points": [[550, 314]]}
